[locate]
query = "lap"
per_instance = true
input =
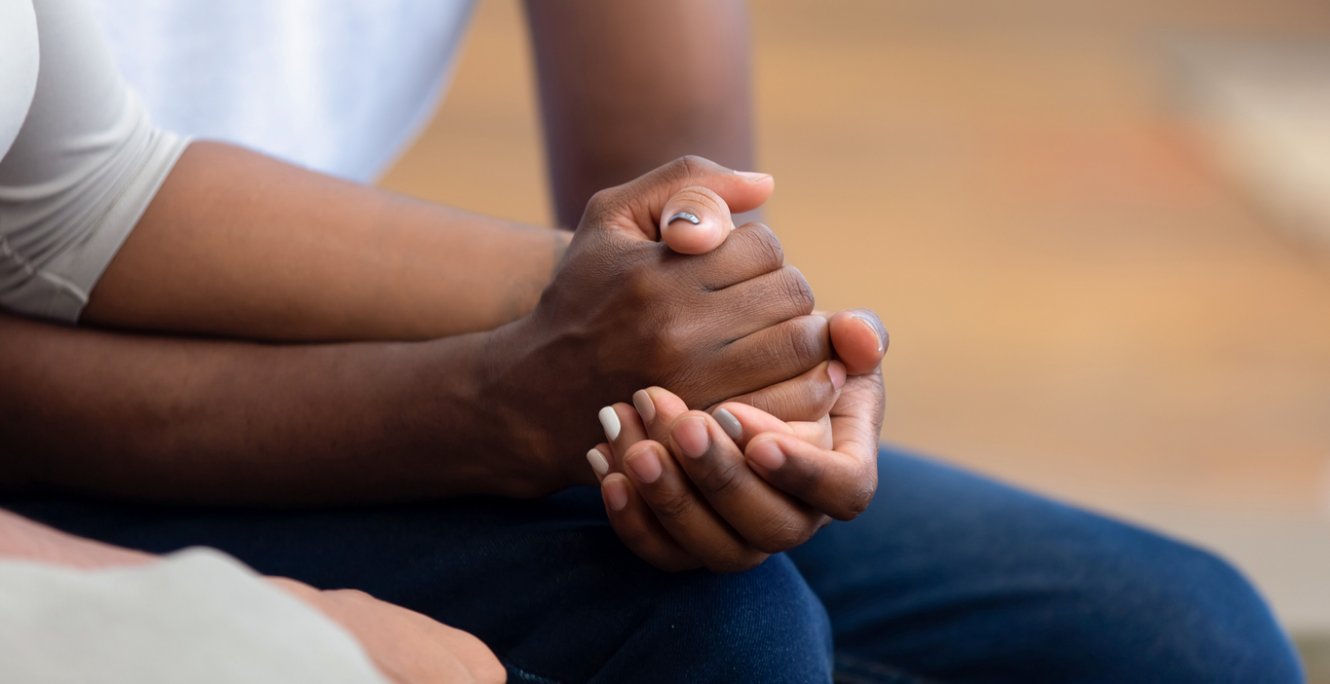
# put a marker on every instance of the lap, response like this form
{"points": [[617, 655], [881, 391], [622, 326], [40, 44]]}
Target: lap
{"points": [[545, 584], [947, 576]]}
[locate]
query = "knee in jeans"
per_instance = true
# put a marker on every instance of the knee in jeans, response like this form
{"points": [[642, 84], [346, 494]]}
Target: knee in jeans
{"points": [[1179, 609], [761, 625]]}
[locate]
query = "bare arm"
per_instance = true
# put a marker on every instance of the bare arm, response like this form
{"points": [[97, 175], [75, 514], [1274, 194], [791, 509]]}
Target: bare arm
{"points": [[212, 421], [238, 244], [627, 86], [507, 411]]}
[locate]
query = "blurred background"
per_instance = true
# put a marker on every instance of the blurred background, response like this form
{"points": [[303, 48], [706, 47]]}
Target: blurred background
{"points": [[1099, 233]]}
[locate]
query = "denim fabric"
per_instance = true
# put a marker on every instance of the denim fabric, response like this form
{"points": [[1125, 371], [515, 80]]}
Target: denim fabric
{"points": [[947, 577]]}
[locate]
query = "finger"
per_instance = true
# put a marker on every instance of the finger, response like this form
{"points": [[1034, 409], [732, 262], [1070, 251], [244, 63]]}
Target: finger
{"points": [[688, 519], [623, 428], [635, 207], [695, 220], [859, 338], [750, 251], [764, 301], [599, 457], [769, 356], [742, 422], [838, 484], [637, 527], [806, 397], [766, 518], [659, 408]]}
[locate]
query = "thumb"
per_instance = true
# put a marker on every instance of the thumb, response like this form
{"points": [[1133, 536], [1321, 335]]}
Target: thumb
{"points": [[639, 205], [695, 220], [859, 339]]}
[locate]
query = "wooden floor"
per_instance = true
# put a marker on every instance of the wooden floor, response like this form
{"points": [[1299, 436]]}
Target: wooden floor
{"points": [[1081, 299]]}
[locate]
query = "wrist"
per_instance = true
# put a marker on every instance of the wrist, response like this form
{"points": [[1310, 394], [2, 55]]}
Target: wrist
{"points": [[469, 418]]}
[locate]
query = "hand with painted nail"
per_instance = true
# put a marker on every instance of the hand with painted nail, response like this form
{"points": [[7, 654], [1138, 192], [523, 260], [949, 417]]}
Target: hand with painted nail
{"points": [[724, 490], [625, 310]]}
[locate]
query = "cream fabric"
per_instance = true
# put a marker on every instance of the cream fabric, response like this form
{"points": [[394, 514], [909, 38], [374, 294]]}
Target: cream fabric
{"points": [[197, 616], [82, 169]]}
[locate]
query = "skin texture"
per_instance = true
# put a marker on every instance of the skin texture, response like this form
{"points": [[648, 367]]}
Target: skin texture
{"points": [[237, 244], [277, 424]]}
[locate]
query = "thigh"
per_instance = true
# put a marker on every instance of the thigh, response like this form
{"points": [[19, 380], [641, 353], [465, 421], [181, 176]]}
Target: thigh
{"points": [[955, 577], [546, 584]]}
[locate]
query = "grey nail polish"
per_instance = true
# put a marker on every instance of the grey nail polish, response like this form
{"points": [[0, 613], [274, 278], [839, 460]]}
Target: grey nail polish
{"points": [[686, 216], [729, 424]]}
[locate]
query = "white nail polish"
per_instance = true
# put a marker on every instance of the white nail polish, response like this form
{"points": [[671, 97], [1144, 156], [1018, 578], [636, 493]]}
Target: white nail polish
{"points": [[610, 421], [729, 424], [598, 462]]}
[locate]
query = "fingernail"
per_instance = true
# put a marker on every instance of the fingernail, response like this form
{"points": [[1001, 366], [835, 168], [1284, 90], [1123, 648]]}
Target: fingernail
{"points": [[691, 436], [645, 467], [616, 495], [752, 176], [610, 421], [766, 454], [729, 424], [645, 407], [598, 463], [684, 216], [836, 373], [876, 328]]}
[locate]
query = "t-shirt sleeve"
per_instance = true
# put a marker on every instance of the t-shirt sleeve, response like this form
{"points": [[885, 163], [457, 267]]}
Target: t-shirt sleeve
{"points": [[196, 616], [85, 165]]}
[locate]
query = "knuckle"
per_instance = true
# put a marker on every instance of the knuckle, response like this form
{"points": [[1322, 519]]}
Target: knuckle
{"points": [[681, 169], [690, 165], [857, 501], [763, 246], [601, 201], [781, 535], [672, 344], [673, 504], [797, 290], [805, 342], [640, 285], [724, 478]]}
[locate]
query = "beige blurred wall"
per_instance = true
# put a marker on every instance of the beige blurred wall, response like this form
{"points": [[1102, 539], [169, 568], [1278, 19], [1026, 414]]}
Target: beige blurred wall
{"points": [[1082, 299]]}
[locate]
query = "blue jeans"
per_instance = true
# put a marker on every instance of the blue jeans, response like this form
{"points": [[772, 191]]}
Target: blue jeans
{"points": [[947, 577]]}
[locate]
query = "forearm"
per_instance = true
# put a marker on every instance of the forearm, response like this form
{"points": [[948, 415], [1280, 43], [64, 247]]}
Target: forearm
{"points": [[627, 86], [238, 244], [205, 421]]}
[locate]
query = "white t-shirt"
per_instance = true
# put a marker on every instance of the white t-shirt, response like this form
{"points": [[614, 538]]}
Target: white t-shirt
{"points": [[81, 159], [196, 616], [341, 87]]}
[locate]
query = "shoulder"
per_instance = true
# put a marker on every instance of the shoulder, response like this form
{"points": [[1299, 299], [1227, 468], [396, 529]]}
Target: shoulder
{"points": [[18, 67]]}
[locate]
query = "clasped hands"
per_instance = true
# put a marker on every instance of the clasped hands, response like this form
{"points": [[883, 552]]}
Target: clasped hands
{"points": [[693, 313]]}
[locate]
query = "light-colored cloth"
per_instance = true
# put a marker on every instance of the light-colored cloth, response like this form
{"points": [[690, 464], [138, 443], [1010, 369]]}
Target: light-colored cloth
{"points": [[83, 166], [18, 67], [340, 87], [197, 616]]}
